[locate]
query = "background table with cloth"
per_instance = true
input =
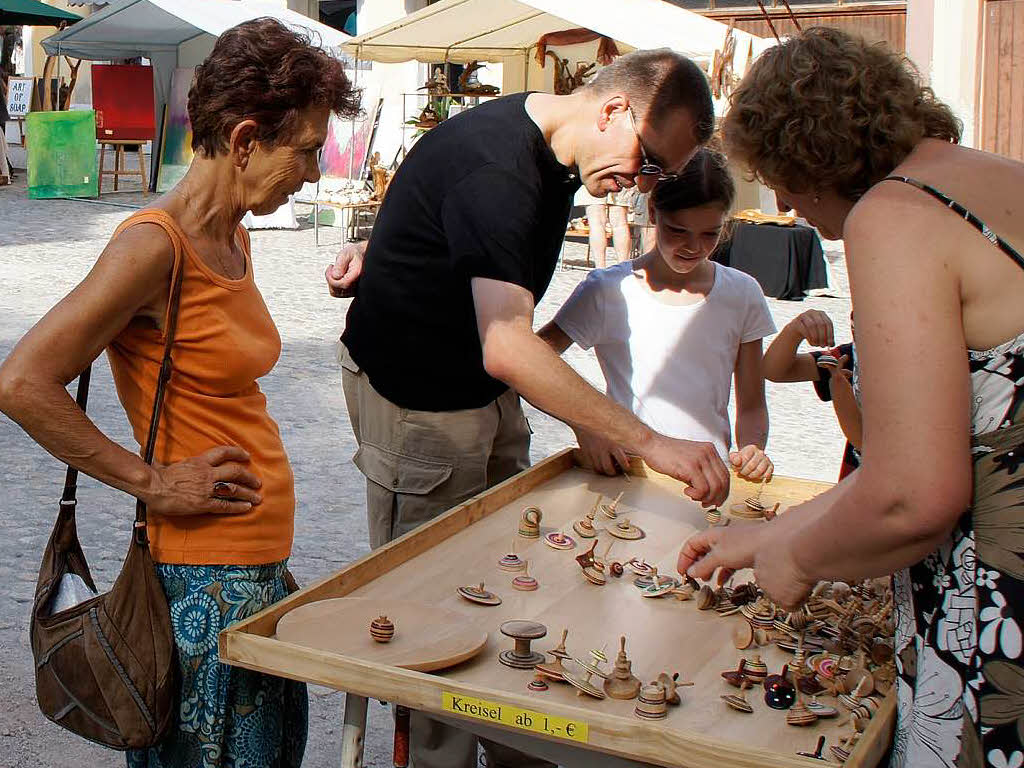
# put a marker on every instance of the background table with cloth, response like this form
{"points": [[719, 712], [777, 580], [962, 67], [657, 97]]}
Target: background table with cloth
{"points": [[786, 261]]}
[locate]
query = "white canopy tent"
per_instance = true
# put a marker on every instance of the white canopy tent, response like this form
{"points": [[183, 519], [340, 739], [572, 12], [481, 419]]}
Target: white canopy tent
{"points": [[507, 31], [172, 33]]}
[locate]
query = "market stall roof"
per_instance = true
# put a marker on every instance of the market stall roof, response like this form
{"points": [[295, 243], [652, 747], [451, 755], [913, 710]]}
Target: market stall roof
{"points": [[492, 30], [33, 13], [131, 28]]}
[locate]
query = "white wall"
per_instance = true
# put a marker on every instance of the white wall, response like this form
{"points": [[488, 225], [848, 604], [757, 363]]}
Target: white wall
{"points": [[944, 41]]}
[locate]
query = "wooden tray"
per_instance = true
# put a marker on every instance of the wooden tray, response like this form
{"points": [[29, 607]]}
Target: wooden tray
{"points": [[462, 547]]}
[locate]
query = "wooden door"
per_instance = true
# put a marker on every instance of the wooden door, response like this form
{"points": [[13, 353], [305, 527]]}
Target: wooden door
{"points": [[1001, 118]]}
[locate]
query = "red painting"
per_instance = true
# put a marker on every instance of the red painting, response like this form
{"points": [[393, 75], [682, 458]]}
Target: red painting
{"points": [[122, 95]]}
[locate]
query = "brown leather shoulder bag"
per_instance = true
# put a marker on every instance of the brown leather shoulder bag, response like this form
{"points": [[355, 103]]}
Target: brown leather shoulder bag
{"points": [[105, 668]]}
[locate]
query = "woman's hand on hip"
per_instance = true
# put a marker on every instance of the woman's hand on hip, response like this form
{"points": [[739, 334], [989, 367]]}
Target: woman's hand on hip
{"points": [[215, 482]]}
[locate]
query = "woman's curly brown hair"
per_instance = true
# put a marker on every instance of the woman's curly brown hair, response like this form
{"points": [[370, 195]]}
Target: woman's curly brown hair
{"points": [[828, 110], [263, 71]]}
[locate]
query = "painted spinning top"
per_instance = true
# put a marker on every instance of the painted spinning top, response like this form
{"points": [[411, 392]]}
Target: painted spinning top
{"points": [[537, 684], [477, 594], [608, 510], [558, 540], [818, 750], [554, 669], [529, 523], [778, 692], [755, 669], [583, 684], [662, 585], [626, 530], [713, 516], [799, 715], [382, 629], [639, 566], [511, 562], [594, 576], [525, 582], [616, 569], [827, 361]]}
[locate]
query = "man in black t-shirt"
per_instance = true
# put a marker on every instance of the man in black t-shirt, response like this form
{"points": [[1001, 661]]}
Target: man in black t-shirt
{"points": [[439, 343]]}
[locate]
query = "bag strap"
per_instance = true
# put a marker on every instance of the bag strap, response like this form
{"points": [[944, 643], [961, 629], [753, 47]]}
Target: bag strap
{"points": [[166, 368], [68, 499]]}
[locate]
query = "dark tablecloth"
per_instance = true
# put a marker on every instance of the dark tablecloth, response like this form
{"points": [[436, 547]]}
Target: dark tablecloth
{"points": [[786, 261]]}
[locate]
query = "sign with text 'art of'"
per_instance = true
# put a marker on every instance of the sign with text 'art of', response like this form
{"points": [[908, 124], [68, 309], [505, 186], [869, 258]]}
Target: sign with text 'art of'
{"points": [[19, 96]]}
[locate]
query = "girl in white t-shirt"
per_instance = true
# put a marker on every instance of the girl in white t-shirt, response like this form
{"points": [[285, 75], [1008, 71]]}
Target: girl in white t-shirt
{"points": [[671, 329]]}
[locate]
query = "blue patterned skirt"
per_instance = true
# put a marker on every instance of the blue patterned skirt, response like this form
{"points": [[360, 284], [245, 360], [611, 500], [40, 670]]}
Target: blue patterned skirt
{"points": [[227, 717]]}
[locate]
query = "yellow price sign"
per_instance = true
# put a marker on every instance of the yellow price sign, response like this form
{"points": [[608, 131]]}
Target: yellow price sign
{"points": [[524, 719]]}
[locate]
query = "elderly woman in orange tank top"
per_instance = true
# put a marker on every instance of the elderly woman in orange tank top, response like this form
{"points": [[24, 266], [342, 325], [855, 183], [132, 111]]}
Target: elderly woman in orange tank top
{"points": [[220, 493]]}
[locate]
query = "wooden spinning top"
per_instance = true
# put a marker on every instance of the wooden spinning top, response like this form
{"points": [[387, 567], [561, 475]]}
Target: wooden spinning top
{"points": [[755, 669], [608, 510], [661, 585], [558, 540], [537, 684], [592, 569], [585, 527], [651, 704], [818, 750], [713, 516], [554, 670], [525, 582], [523, 632], [639, 566], [616, 569], [738, 701], [800, 715], [821, 710], [382, 629], [583, 683], [626, 530], [511, 562], [705, 598], [529, 523], [670, 683], [477, 594], [622, 684]]}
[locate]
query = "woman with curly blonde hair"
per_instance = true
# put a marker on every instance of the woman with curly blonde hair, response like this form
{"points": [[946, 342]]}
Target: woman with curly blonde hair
{"points": [[846, 134]]}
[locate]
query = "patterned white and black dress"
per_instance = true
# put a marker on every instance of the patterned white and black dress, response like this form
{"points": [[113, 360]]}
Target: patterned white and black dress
{"points": [[960, 610]]}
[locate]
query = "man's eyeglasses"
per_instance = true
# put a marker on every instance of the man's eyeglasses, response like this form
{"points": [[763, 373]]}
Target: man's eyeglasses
{"points": [[648, 168]]}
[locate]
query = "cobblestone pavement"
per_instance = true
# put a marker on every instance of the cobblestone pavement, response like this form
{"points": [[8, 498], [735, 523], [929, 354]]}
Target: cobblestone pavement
{"points": [[47, 246]]}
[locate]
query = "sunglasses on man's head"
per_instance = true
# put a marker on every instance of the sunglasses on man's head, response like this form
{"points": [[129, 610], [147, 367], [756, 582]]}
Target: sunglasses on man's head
{"points": [[647, 168]]}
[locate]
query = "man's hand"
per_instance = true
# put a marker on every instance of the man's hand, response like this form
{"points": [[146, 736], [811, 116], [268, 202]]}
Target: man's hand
{"points": [[342, 275], [751, 463], [603, 455], [814, 326], [696, 464]]}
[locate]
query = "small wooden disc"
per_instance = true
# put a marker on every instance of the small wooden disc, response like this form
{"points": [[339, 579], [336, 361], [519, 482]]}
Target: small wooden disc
{"points": [[743, 635]]}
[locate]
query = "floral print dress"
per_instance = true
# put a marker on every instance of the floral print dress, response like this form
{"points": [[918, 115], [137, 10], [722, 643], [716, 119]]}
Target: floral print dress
{"points": [[959, 612]]}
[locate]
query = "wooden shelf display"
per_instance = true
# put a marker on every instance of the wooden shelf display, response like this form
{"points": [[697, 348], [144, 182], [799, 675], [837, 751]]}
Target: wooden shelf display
{"points": [[663, 635]]}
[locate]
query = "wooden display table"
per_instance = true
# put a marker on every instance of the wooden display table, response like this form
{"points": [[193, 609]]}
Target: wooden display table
{"points": [[462, 547]]}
